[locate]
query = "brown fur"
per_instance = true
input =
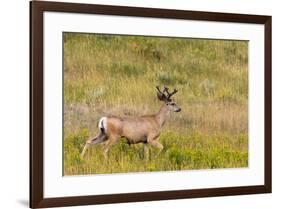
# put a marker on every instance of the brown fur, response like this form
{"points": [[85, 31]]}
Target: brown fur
{"points": [[144, 129]]}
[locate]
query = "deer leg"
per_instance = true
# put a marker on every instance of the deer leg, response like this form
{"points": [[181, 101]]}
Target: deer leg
{"points": [[105, 152], [106, 149], [146, 151], [158, 145], [84, 149], [112, 140], [101, 137], [155, 143]]}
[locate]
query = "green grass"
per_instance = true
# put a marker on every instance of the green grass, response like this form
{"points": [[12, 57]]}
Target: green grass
{"points": [[118, 74]]}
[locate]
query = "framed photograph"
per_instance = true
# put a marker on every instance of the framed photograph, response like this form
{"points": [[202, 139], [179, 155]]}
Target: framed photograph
{"points": [[138, 104]]}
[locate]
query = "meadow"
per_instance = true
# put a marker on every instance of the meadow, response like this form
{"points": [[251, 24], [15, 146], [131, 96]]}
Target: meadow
{"points": [[117, 75]]}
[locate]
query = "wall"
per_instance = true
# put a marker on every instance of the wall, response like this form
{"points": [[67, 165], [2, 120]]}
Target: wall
{"points": [[14, 81]]}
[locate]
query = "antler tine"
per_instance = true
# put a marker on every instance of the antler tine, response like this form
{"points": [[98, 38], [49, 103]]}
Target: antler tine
{"points": [[165, 97], [157, 87], [171, 94], [161, 96], [166, 89]]}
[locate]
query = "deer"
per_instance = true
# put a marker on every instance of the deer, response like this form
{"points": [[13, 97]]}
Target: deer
{"points": [[144, 129]]}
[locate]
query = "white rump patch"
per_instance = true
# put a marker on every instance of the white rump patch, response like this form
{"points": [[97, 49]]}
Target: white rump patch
{"points": [[103, 124]]}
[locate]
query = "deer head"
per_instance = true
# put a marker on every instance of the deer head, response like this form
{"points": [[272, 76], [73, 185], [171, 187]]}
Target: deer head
{"points": [[165, 96]]}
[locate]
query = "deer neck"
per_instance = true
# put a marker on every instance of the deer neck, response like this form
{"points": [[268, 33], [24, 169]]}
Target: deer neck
{"points": [[163, 115]]}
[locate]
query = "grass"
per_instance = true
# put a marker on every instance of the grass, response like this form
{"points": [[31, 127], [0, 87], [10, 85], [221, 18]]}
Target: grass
{"points": [[117, 75]]}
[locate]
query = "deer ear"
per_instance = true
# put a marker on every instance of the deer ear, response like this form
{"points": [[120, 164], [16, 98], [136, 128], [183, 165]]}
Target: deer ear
{"points": [[160, 96]]}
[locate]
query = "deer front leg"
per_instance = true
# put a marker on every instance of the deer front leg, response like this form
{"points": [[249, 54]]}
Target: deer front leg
{"points": [[146, 151], [155, 143]]}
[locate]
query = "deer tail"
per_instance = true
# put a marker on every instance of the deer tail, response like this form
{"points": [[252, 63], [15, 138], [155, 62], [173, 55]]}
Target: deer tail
{"points": [[103, 124]]}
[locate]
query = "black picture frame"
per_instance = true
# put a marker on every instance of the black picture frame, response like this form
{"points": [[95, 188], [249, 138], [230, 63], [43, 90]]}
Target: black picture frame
{"points": [[37, 8]]}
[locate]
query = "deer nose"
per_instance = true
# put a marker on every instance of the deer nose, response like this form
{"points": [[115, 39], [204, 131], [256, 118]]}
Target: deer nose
{"points": [[178, 110]]}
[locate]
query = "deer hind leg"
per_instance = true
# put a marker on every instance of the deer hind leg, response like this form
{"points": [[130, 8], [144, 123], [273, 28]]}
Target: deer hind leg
{"points": [[111, 141], [101, 137]]}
